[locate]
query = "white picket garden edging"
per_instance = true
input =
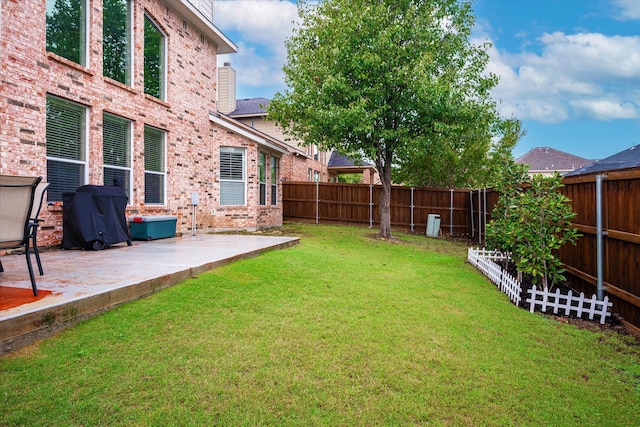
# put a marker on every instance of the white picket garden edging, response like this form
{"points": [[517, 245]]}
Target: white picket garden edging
{"points": [[567, 304]]}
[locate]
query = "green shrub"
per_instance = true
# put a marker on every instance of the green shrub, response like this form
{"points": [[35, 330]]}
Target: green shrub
{"points": [[532, 221]]}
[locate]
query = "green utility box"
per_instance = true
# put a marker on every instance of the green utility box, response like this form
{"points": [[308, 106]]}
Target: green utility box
{"points": [[151, 227]]}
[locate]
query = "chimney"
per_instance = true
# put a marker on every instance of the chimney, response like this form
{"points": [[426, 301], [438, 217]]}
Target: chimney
{"points": [[226, 88]]}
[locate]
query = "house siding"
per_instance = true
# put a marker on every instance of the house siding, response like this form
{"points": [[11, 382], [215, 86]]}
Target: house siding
{"points": [[29, 73]]}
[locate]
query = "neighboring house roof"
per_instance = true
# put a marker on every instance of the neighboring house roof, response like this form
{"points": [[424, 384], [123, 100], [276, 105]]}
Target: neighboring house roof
{"points": [[338, 161], [547, 159], [628, 158], [249, 107]]}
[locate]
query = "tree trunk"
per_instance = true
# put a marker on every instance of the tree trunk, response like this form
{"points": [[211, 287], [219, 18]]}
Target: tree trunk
{"points": [[385, 201]]}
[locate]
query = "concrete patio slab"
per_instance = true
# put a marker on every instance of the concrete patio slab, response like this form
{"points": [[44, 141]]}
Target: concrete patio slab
{"points": [[86, 283]]}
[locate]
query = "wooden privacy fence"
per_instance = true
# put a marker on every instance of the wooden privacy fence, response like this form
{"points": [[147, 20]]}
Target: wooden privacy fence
{"points": [[358, 204], [611, 228], [464, 213]]}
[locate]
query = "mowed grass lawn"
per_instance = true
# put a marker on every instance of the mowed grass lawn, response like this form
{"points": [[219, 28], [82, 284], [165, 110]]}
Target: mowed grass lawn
{"points": [[340, 330]]}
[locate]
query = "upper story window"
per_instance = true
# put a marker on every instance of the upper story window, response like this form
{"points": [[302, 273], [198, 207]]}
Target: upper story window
{"points": [[154, 59], [154, 165], [66, 147], [67, 29], [116, 40], [116, 151], [233, 176]]}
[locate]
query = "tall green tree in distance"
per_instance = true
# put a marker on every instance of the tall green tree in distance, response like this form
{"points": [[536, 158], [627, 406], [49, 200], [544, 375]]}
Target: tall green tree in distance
{"points": [[384, 80]]}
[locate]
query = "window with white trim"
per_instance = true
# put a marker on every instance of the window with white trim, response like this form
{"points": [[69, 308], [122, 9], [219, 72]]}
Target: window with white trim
{"points": [[154, 59], [233, 176], [274, 180], [66, 147], [116, 40], [154, 165], [263, 179], [67, 29], [116, 151]]}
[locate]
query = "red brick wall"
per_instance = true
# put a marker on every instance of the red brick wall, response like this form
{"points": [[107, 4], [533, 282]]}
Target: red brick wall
{"points": [[28, 73]]}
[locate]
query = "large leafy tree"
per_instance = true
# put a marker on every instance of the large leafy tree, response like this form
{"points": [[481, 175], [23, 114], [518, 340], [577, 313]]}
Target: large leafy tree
{"points": [[471, 157], [385, 79]]}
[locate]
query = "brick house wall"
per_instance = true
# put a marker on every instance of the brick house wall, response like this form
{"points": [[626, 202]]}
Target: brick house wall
{"points": [[28, 73]]}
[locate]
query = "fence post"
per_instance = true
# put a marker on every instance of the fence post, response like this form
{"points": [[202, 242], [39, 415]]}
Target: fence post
{"points": [[479, 217], [411, 209], [473, 228], [486, 211], [451, 212], [317, 201], [370, 205], [599, 234]]}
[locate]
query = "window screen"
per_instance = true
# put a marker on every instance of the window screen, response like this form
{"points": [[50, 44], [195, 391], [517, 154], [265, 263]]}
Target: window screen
{"points": [[263, 179], [274, 181], [232, 176], [154, 165], [116, 151], [66, 143]]}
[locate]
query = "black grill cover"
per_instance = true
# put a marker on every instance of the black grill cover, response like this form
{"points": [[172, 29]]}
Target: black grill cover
{"points": [[94, 217]]}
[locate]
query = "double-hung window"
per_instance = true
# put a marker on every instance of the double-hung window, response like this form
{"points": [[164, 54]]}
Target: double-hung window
{"points": [[116, 40], [67, 29], [274, 181], [263, 179], [154, 59], [116, 151], [66, 147], [154, 165], [233, 176]]}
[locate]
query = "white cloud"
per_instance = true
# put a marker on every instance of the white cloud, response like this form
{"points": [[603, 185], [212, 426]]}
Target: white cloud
{"points": [[259, 28], [586, 75], [627, 9], [263, 22]]}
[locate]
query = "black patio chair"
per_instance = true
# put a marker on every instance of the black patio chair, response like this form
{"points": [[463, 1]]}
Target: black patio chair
{"points": [[16, 203]]}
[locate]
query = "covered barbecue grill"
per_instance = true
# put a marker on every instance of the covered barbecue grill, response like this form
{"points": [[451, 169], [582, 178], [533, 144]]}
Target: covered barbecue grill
{"points": [[94, 217]]}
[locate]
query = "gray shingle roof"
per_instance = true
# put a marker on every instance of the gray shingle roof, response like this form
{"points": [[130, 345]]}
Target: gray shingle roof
{"points": [[550, 159], [337, 160], [250, 107], [628, 158]]}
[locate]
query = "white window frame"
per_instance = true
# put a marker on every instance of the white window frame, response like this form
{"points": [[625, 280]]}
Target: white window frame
{"points": [[84, 60], [83, 162], [162, 173], [273, 175], [163, 60], [262, 178], [130, 45], [227, 180], [128, 169]]}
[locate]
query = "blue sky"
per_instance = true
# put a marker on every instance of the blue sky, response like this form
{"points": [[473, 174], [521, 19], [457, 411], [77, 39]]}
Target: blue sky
{"points": [[569, 69]]}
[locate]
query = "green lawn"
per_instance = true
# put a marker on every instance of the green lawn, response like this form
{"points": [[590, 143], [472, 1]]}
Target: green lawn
{"points": [[343, 330]]}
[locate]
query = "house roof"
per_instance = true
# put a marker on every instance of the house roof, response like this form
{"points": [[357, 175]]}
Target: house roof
{"points": [[264, 140], [195, 16], [628, 158], [337, 160], [250, 107], [542, 159]]}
